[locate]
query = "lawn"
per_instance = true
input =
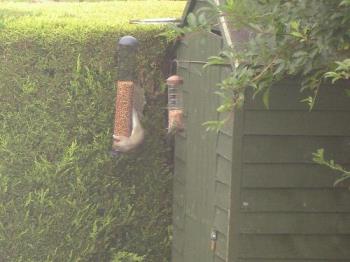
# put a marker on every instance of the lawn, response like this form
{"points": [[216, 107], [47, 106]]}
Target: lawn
{"points": [[88, 15]]}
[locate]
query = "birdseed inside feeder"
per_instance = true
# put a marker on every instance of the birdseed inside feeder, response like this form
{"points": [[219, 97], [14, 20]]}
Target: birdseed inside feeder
{"points": [[123, 105]]}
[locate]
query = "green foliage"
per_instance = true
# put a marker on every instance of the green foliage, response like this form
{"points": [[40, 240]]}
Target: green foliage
{"points": [[290, 39], [213, 125], [127, 257], [196, 22], [320, 159], [342, 71], [309, 40], [286, 38], [62, 196]]}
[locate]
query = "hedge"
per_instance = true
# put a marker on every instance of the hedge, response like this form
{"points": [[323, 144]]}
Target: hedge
{"points": [[63, 197]]}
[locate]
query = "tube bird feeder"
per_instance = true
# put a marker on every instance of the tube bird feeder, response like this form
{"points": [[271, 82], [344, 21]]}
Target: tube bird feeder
{"points": [[175, 103], [127, 51]]}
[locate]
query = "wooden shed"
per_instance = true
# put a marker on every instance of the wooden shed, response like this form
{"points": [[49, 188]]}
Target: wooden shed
{"points": [[254, 183]]}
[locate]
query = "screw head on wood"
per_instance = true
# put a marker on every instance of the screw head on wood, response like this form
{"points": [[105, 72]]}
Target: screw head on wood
{"points": [[214, 235]]}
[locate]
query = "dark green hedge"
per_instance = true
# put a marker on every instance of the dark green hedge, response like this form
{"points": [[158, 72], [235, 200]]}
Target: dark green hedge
{"points": [[62, 196]]}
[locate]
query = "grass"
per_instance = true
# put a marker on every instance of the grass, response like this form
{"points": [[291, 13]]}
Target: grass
{"points": [[86, 15]]}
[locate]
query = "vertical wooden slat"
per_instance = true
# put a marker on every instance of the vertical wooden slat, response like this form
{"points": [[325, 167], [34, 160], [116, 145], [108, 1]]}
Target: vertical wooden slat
{"points": [[235, 205]]}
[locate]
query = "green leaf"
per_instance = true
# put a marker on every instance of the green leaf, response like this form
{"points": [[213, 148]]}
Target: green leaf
{"points": [[191, 20], [295, 25], [266, 98], [279, 68], [309, 100], [213, 125], [318, 157], [214, 60], [256, 27], [297, 34], [344, 3], [202, 20], [226, 107], [341, 179], [300, 54]]}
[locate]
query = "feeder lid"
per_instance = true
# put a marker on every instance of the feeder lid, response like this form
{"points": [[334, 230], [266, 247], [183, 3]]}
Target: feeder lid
{"points": [[128, 41], [174, 80]]}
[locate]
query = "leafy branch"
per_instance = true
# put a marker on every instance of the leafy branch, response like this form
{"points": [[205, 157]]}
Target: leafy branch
{"points": [[284, 39], [318, 157], [342, 71]]}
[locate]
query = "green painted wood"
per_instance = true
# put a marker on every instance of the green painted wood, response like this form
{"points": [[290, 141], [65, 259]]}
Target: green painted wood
{"points": [[179, 216], [196, 245], [222, 195], [200, 4], [224, 146], [315, 123], [236, 180], [184, 72], [199, 183], [179, 196], [286, 96], [223, 170], [178, 240], [227, 129], [221, 246], [178, 208], [195, 149], [219, 259], [295, 223], [295, 200], [221, 220], [182, 51], [293, 149], [287, 176], [294, 246], [188, 8], [291, 260], [289, 209], [180, 171], [176, 256], [180, 148]]}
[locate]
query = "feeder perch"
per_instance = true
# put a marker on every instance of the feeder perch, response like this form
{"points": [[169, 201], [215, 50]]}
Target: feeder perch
{"points": [[175, 103]]}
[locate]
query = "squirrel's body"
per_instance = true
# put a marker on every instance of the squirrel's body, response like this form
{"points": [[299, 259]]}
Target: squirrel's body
{"points": [[125, 144]]}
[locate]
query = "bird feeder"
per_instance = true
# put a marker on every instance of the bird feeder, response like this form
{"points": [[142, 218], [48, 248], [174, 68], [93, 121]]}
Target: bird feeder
{"points": [[175, 103], [127, 49]]}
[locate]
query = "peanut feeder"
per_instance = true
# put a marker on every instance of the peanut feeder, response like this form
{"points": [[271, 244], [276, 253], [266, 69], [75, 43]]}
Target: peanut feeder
{"points": [[175, 103]]}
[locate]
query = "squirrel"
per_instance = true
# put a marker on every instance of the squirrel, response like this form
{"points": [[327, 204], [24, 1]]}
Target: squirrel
{"points": [[125, 144]]}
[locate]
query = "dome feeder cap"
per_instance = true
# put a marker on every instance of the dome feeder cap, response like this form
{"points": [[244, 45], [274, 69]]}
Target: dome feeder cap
{"points": [[174, 80]]}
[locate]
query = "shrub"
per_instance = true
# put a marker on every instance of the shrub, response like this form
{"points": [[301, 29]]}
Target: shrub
{"points": [[127, 257], [62, 196]]}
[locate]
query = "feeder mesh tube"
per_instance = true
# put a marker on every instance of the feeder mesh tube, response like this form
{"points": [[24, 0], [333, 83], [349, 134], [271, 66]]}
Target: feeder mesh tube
{"points": [[123, 108], [175, 118]]}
